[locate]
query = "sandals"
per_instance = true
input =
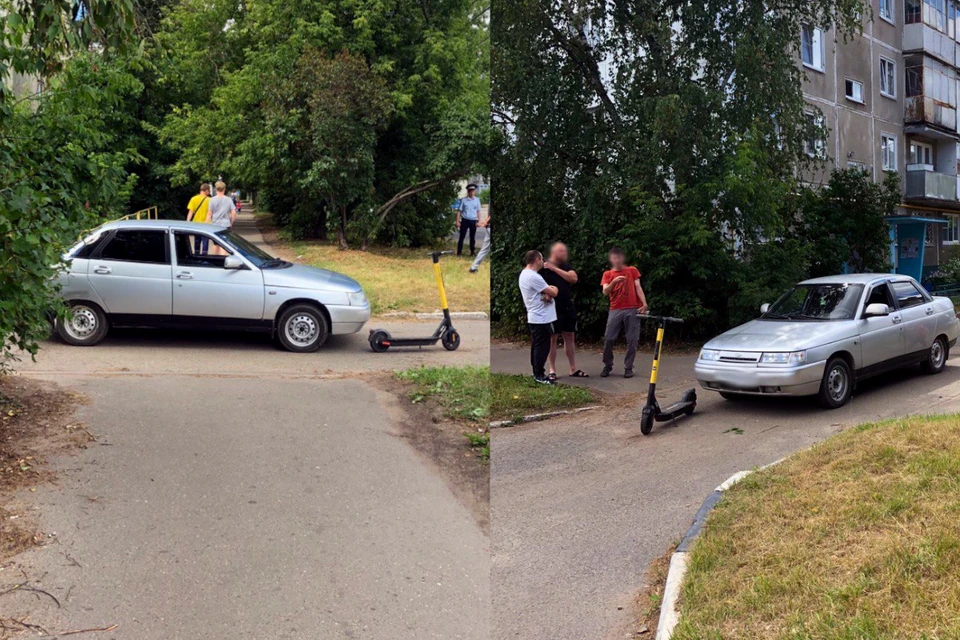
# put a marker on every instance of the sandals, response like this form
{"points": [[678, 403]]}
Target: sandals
{"points": [[579, 374], [552, 376]]}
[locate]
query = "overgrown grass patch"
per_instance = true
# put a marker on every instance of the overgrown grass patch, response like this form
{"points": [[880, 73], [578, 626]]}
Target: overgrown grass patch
{"points": [[402, 279], [514, 396], [854, 539], [462, 392]]}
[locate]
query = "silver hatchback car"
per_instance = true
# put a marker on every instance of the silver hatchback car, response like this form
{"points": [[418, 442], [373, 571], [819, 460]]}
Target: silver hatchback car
{"points": [[165, 273], [824, 334]]}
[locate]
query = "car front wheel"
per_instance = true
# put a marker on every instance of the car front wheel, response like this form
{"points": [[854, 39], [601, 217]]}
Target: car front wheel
{"points": [[84, 325], [302, 328], [837, 384], [937, 356]]}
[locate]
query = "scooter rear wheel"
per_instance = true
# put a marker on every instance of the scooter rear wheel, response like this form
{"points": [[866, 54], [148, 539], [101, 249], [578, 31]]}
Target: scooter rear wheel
{"points": [[379, 340], [450, 340]]}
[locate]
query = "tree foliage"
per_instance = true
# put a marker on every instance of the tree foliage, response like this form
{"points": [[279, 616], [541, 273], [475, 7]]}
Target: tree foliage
{"points": [[671, 129]]}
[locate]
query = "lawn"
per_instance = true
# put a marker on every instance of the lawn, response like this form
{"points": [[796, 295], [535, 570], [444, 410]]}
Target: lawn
{"points": [[854, 539], [402, 279], [514, 396]]}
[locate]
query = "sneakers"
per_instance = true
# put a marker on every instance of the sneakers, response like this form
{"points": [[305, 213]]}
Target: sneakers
{"points": [[628, 373], [605, 373], [544, 380], [472, 270]]}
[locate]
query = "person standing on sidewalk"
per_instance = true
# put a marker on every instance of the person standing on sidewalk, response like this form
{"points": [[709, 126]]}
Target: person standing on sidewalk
{"points": [[468, 215], [222, 211], [485, 249], [197, 212], [557, 272], [621, 284], [541, 313]]}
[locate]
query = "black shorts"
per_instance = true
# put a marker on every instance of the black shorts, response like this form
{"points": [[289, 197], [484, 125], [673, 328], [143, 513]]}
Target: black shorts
{"points": [[566, 323]]}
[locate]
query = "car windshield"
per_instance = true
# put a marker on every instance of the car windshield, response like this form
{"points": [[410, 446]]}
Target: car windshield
{"points": [[817, 302], [250, 251]]}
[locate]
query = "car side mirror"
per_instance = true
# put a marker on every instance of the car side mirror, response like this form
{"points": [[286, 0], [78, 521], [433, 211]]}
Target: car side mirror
{"points": [[232, 262], [876, 310], [764, 307]]}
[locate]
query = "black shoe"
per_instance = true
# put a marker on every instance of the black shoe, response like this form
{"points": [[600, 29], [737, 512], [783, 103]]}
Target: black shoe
{"points": [[543, 380], [472, 270], [628, 373], [605, 373]]}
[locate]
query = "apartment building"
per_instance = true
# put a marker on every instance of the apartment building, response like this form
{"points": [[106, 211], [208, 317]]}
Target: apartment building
{"points": [[889, 102]]}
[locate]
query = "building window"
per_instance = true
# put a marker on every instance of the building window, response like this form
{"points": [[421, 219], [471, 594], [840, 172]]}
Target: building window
{"points": [[888, 152], [814, 146], [914, 85], [911, 11], [951, 231], [921, 153], [854, 90], [886, 10], [888, 78], [859, 166], [811, 47]]}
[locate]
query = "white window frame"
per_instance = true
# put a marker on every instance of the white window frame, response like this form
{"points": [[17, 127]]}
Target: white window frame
{"points": [[928, 153], [890, 11], [818, 149], [853, 164], [855, 83], [884, 137], [890, 93], [951, 231], [817, 53]]}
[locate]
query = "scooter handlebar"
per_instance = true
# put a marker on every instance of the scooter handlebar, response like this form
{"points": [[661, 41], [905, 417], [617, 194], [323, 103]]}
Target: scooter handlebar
{"points": [[647, 316]]}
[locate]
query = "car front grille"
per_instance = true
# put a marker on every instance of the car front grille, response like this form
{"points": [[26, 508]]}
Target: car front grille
{"points": [[739, 356]]}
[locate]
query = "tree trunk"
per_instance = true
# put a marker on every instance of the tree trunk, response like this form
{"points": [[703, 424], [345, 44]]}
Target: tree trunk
{"points": [[321, 228], [343, 229]]}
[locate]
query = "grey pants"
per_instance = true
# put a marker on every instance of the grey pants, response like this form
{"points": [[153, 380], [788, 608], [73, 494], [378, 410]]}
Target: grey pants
{"points": [[484, 252], [627, 321]]}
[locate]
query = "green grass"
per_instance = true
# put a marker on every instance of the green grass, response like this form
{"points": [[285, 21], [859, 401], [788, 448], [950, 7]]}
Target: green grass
{"points": [[514, 396], [480, 442], [463, 392], [854, 539]]}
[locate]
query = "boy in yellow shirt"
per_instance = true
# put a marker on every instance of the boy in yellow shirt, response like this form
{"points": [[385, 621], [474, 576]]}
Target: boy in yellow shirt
{"points": [[197, 212]]}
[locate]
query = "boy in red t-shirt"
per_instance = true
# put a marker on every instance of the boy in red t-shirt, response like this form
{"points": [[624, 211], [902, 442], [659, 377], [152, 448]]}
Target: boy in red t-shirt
{"points": [[622, 285]]}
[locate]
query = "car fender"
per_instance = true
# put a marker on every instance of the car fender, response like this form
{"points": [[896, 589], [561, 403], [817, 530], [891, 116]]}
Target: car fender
{"points": [[74, 284], [276, 297]]}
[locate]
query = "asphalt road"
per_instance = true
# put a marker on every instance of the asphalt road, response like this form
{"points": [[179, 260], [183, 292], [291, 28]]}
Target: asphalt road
{"points": [[582, 506], [234, 494]]}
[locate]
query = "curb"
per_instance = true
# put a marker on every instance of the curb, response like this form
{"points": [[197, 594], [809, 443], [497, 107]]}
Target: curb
{"points": [[669, 616], [537, 417], [437, 315]]}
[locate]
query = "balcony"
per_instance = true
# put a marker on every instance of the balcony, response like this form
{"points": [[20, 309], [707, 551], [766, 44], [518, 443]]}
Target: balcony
{"points": [[919, 37], [921, 112], [926, 184]]}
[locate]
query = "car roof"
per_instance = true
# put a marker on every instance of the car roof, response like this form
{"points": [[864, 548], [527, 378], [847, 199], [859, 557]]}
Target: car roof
{"points": [[162, 224], [858, 278]]}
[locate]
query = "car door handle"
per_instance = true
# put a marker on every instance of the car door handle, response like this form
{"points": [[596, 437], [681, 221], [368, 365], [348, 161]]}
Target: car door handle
{"points": [[929, 312], [897, 319], [102, 270], [185, 275]]}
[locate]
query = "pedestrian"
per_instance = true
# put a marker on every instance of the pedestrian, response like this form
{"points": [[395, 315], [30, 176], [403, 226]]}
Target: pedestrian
{"points": [[541, 313], [221, 210], [485, 249], [557, 273], [621, 283], [468, 215], [197, 212]]}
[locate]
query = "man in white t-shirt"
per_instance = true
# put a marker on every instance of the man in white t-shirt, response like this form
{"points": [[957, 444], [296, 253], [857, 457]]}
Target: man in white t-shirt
{"points": [[541, 313]]}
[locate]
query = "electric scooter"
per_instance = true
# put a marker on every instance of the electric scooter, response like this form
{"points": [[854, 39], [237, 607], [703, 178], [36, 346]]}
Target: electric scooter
{"points": [[652, 411], [381, 340]]}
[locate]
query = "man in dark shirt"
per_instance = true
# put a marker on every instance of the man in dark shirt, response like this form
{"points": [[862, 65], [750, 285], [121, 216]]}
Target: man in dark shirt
{"points": [[557, 272]]}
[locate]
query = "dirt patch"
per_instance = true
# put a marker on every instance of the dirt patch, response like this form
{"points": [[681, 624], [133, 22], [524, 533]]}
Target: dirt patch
{"points": [[35, 423], [441, 441], [645, 604]]}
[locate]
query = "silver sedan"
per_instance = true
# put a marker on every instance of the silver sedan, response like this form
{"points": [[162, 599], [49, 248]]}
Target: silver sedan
{"points": [[164, 273], [824, 334]]}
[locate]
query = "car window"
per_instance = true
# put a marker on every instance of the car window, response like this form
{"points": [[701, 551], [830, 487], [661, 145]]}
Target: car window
{"points": [[907, 294], [880, 294], [817, 302], [141, 245], [90, 244], [199, 250]]}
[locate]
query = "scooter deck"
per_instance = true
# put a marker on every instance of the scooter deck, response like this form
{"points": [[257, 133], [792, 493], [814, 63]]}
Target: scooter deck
{"points": [[413, 342], [673, 411]]}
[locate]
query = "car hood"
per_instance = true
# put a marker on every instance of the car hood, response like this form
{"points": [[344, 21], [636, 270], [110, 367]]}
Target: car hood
{"points": [[301, 276], [782, 335]]}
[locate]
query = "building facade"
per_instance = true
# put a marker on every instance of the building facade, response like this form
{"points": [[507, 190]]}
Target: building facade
{"points": [[889, 102]]}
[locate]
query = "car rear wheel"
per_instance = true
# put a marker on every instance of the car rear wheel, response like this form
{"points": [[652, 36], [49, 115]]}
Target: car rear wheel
{"points": [[84, 325], [302, 328], [837, 384], [936, 357]]}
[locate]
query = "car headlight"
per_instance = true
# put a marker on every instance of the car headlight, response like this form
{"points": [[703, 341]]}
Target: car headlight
{"points": [[357, 298], [792, 357], [709, 354]]}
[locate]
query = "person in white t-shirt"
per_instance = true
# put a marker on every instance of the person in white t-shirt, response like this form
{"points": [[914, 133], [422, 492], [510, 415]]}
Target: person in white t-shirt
{"points": [[541, 313]]}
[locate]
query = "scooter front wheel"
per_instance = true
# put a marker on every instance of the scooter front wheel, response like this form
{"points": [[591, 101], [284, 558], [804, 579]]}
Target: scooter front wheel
{"points": [[646, 421], [451, 340], [379, 340]]}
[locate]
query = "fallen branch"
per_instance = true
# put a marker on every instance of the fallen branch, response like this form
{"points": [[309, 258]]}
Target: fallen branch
{"points": [[27, 587], [94, 630]]}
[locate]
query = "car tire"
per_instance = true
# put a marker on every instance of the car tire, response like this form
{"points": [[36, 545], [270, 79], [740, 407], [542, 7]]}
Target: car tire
{"points": [[84, 325], [732, 397], [936, 358], [836, 387], [302, 328]]}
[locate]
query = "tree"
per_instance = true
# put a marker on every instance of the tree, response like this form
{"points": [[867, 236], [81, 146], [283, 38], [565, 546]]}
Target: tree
{"points": [[59, 169], [673, 131]]}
